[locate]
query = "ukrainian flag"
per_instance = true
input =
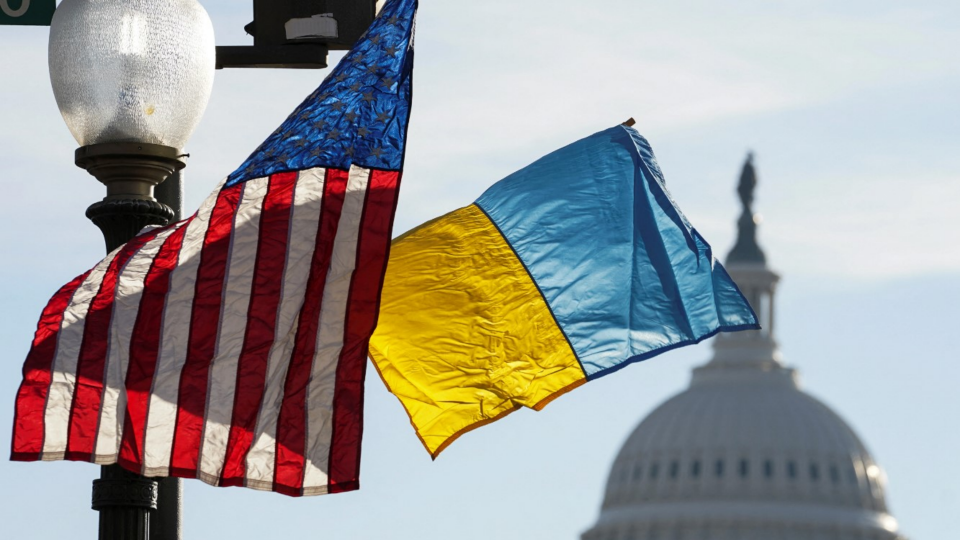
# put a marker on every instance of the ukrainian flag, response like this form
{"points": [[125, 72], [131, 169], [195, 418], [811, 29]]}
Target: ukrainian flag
{"points": [[563, 272]]}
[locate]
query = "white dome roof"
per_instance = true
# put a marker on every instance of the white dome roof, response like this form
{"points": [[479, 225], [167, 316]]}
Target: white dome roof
{"points": [[744, 449]]}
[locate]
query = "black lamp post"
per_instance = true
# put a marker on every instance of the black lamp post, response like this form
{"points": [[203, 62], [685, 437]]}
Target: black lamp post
{"points": [[132, 79]]}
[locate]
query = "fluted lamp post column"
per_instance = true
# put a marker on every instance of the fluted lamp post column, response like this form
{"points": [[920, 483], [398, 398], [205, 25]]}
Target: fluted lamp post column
{"points": [[132, 79]]}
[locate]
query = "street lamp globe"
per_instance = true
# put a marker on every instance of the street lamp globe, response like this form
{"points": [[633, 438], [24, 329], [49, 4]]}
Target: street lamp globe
{"points": [[132, 71]]}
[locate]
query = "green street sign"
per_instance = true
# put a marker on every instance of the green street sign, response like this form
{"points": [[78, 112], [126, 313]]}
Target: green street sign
{"points": [[27, 12]]}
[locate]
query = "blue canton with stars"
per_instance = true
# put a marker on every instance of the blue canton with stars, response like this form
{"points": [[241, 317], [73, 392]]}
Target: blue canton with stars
{"points": [[359, 114]]}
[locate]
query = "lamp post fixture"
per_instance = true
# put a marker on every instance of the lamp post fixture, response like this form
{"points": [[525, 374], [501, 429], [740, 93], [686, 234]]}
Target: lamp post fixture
{"points": [[132, 79]]}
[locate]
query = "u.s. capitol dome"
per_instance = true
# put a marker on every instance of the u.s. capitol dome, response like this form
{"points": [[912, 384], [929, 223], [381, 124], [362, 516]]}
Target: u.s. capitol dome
{"points": [[744, 453]]}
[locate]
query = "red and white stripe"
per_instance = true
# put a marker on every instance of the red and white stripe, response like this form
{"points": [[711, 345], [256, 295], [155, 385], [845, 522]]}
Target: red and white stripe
{"points": [[229, 347]]}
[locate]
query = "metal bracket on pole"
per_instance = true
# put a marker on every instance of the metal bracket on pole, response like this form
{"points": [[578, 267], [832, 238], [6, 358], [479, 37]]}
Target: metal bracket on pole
{"points": [[298, 56]]}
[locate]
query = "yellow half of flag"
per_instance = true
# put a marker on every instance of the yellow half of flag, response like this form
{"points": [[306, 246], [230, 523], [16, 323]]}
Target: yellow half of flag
{"points": [[454, 285]]}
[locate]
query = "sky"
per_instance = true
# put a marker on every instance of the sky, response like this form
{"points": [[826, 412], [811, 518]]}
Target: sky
{"points": [[851, 112]]}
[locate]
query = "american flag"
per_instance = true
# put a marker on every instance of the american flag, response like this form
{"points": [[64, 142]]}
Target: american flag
{"points": [[232, 346]]}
